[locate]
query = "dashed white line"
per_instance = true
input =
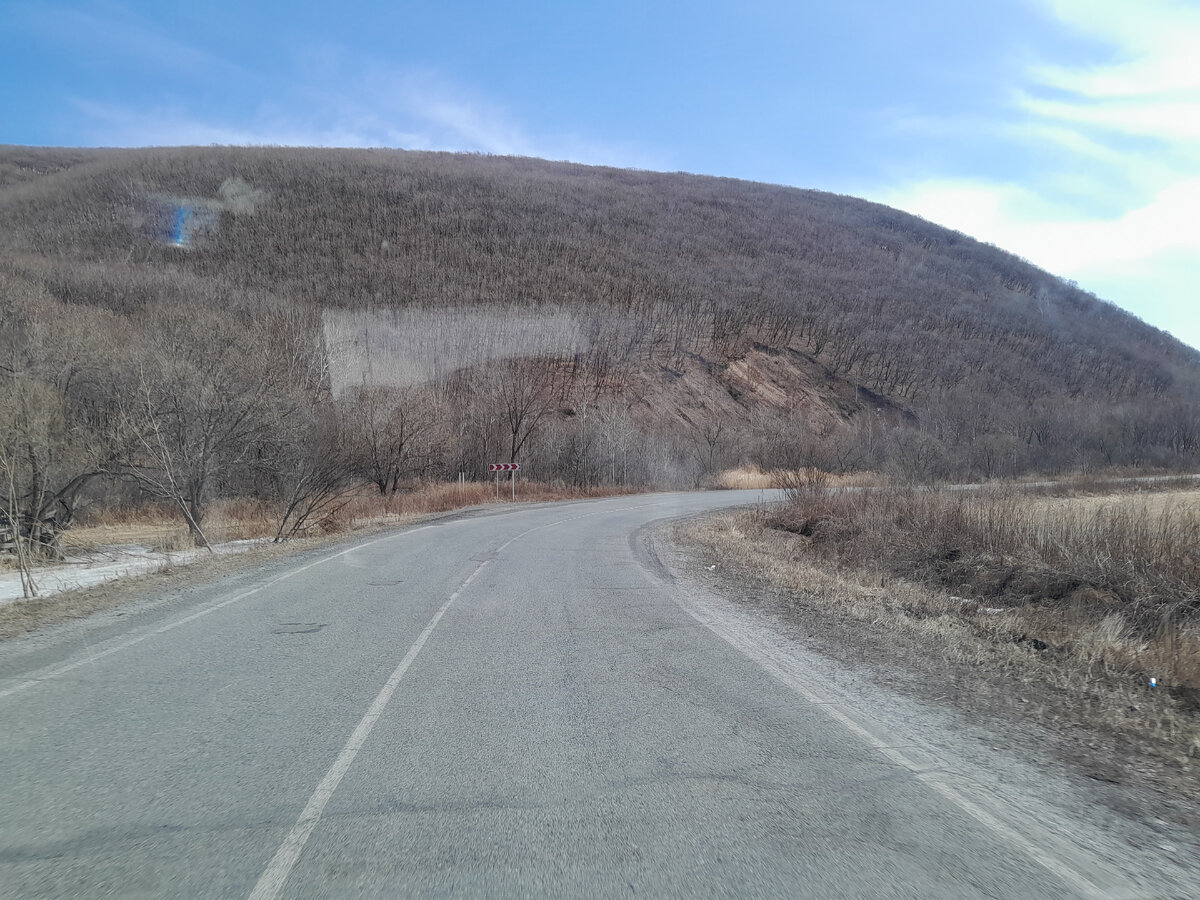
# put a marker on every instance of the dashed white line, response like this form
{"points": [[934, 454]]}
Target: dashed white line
{"points": [[271, 882]]}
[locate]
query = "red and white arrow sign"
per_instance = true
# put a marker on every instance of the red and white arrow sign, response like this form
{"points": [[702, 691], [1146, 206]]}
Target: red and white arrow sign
{"points": [[504, 467]]}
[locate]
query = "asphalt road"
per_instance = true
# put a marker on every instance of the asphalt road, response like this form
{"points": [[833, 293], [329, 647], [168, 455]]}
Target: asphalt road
{"points": [[508, 705]]}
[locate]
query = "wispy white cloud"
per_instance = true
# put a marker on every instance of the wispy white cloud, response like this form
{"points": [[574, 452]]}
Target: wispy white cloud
{"points": [[326, 95], [465, 121], [1175, 121], [1024, 222], [1155, 40], [1112, 197], [361, 105]]}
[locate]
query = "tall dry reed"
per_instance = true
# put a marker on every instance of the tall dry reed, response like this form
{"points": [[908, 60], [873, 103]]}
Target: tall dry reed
{"points": [[1114, 579]]}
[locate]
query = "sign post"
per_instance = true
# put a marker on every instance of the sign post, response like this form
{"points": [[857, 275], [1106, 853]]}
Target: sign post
{"points": [[512, 468]]}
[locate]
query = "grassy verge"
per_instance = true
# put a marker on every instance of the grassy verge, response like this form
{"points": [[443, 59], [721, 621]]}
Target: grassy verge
{"points": [[749, 477], [1057, 609], [160, 526]]}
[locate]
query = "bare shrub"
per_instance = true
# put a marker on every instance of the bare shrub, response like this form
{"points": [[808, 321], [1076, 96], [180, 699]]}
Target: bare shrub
{"points": [[1080, 670], [1113, 580], [802, 482], [1105, 642]]}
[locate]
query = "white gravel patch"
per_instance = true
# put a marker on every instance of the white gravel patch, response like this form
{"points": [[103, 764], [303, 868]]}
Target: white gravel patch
{"points": [[107, 564]]}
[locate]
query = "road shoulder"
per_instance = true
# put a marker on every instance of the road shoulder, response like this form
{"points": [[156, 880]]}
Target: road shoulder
{"points": [[912, 698]]}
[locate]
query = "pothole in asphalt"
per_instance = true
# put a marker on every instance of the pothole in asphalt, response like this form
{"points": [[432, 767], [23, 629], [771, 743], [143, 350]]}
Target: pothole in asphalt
{"points": [[300, 627]]}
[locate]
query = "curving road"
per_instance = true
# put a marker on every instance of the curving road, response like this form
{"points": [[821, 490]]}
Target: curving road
{"points": [[509, 704]]}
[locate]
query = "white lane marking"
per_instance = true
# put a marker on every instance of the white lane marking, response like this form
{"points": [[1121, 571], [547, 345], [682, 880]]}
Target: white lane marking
{"points": [[92, 656], [270, 884], [784, 672]]}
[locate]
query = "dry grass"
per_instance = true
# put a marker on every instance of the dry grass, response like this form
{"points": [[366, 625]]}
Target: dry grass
{"points": [[1108, 482], [1063, 566], [753, 478], [156, 535], [160, 527], [1078, 602], [746, 478], [1169, 500]]}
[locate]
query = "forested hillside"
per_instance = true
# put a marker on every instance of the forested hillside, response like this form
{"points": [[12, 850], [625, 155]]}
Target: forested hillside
{"points": [[206, 321]]}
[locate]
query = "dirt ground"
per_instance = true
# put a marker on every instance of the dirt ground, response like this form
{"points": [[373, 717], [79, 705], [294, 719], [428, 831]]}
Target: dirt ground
{"points": [[1137, 772]]}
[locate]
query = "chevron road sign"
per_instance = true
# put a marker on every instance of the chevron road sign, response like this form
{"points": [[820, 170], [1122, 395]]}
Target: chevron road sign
{"points": [[512, 469]]}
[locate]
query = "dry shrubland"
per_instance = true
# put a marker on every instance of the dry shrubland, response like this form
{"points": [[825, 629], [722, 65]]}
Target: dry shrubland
{"points": [[751, 477], [1075, 601], [1113, 580], [157, 526], [190, 327]]}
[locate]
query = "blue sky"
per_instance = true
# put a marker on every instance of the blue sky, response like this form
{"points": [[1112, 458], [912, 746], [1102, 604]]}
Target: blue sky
{"points": [[1067, 131]]}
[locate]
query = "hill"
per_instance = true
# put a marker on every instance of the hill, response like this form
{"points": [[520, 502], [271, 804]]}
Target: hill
{"points": [[699, 321]]}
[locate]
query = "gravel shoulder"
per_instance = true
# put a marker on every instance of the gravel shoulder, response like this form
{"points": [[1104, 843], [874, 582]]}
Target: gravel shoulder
{"points": [[967, 712]]}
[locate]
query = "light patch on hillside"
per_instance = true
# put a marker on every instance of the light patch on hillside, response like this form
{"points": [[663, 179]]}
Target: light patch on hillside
{"points": [[185, 221], [403, 347]]}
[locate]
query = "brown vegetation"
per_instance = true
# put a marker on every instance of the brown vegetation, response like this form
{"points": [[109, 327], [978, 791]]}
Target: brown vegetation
{"points": [[1112, 581], [1072, 604], [196, 325], [159, 527]]}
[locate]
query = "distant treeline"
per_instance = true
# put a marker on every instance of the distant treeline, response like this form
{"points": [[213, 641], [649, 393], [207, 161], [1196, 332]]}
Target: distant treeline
{"points": [[165, 319]]}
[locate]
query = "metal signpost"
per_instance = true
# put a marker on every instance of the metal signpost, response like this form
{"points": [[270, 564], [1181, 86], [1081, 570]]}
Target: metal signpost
{"points": [[514, 468]]}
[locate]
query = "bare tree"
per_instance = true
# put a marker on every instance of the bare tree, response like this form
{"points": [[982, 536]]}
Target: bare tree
{"points": [[670, 270], [712, 440], [391, 434], [12, 535], [198, 404], [55, 396], [618, 428], [311, 471], [523, 392]]}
